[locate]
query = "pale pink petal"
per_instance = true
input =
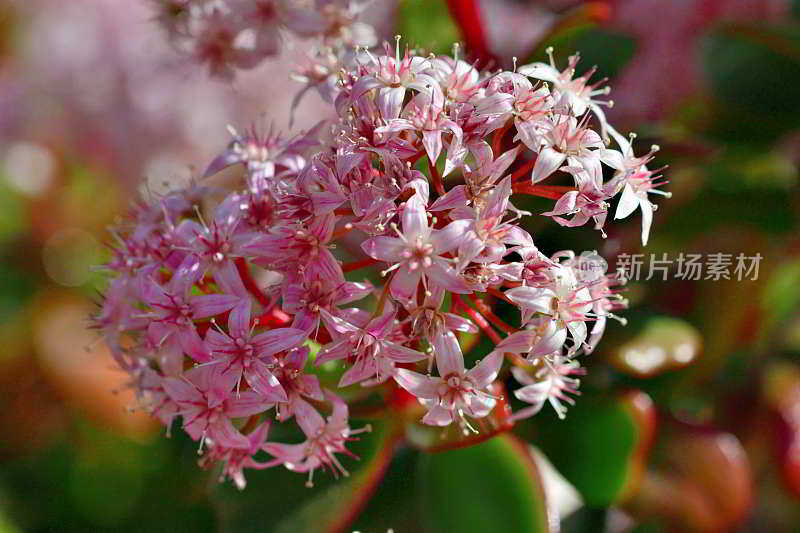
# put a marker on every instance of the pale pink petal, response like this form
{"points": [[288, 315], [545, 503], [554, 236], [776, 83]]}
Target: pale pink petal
{"points": [[338, 350], [415, 218], [540, 71], [260, 378], [228, 279], [438, 416], [531, 298], [390, 101], [647, 219], [212, 304], [447, 278], [519, 342], [245, 404], [547, 161], [432, 141], [387, 249], [192, 345], [417, 384], [535, 394], [380, 326], [453, 198], [479, 406], [277, 340], [309, 420], [550, 343], [239, 320], [224, 434], [403, 286], [450, 236], [181, 391], [399, 353], [486, 370], [447, 351], [337, 325], [454, 322], [628, 202], [577, 329], [285, 453], [364, 368]]}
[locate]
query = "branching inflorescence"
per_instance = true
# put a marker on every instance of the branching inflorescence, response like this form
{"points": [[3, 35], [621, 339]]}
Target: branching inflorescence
{"points": [[215, 313]]}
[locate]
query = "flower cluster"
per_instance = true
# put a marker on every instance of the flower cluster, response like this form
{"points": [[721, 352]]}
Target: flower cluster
{"points": [[224, 308], [227, 35]]}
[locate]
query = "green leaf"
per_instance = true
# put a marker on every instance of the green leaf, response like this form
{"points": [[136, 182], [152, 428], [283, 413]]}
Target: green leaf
{"points": [[710, 210], [601, 446], [333, 509], [743, 63], [609, 51], [781, 298], [427, 24], [493, 486], [327, 507], [395, 504]]}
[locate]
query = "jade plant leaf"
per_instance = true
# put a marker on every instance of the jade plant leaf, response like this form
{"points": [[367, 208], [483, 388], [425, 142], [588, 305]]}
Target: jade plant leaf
{"points": [[332, 510], [329, 507], [499, 474], [602, 445]]}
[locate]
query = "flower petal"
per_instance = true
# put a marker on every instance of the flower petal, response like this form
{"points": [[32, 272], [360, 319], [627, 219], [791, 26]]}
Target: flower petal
{"points": [[417, 384], [447, 351], [486, 370]]}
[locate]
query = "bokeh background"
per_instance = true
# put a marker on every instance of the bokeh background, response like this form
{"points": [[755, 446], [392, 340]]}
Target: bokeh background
{"points": [[690, 415]]}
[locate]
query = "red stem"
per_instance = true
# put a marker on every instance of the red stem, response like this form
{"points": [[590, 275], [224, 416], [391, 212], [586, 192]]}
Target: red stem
{"points": [[524, 169], [437, 179], [467, 15], [480, 321], [274, 318], [355, 265], [499, 294], [554, 192], [497, 138], [250, 284], [486, 311]]}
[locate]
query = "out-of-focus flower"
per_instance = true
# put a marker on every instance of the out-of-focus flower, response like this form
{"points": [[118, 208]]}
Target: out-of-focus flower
{"points": [[668, 36]]}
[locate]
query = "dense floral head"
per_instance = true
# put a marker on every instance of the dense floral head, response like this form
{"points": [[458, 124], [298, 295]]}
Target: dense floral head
{"points": [[376, 248]]}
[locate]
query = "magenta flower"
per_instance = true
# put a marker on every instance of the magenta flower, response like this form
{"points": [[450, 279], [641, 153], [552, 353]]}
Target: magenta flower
{"points": [[288, 369], [393, 76], [457, 392], [207, 405], [566, 140], [324, 439], [636, 182], [487, 238], [587, 201], [564, 301], [243, 354], [216, 322], [369, 348], [173, 311], [552, 383], [577, 93], [235, 460], [416, 254], [425, 113]]}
